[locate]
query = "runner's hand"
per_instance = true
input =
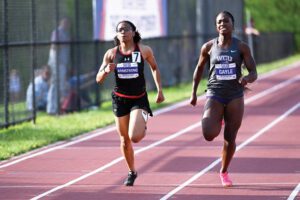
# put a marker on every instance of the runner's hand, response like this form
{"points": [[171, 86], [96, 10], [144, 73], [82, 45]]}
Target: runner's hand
{"points": [[193, 100], [109, 67], [160, 97]]}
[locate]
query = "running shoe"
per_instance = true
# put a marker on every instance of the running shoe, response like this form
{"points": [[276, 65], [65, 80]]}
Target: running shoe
{"points": [[131, 178], [226, 182]]}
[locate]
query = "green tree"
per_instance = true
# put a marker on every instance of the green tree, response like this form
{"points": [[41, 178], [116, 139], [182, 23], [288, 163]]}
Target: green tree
{"points": [[276, 16]]}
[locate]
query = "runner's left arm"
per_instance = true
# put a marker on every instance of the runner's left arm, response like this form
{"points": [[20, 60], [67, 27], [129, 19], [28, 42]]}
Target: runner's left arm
{"points": [[249, 63], [149, 57]]}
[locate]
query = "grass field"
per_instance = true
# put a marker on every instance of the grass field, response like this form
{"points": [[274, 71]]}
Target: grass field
{"points": [[27, 136]]}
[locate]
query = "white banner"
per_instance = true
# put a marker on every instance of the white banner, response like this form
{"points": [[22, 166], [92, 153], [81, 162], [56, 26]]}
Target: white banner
{"points": [[149, 16]]}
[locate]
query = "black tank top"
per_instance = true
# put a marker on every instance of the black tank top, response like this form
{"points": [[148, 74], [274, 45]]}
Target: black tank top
{"points": [[129, 73], [225, 70]]}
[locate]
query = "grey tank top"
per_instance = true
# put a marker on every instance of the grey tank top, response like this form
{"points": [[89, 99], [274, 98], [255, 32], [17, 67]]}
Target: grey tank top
{"points": [[225, 70]]}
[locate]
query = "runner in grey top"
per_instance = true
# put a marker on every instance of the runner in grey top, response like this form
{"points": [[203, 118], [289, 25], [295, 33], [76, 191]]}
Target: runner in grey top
{"points": [[225, 87], [225, 71]]}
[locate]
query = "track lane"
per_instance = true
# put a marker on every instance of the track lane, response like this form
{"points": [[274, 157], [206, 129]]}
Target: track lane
{"points": [[91, 148], [113, 193]]}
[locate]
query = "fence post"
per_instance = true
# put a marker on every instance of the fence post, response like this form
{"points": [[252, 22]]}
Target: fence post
{"points": [[78, 56], [5, 64], [33, 57], [57, 60], [97, 63]]}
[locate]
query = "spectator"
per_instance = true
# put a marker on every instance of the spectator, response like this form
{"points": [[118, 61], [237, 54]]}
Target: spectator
{"points": [[59, 58], [14, 85], [75, 98], [41, 87]]}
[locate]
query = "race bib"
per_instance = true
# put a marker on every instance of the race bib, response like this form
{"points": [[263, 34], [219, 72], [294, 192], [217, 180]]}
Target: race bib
{"points": [[226, 71], [136, 56], [127, 70]]}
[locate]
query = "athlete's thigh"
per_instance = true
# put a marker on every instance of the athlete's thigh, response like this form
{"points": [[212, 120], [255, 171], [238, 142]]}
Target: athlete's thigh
{"points": [[137, 123], [213, 111], [212, 118], [122, 124]]}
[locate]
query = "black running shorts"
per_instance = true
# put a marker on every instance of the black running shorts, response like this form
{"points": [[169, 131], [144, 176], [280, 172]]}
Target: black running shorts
{"points": [[123, 106]]}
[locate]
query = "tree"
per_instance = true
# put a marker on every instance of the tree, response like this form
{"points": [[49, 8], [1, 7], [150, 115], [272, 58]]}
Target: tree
{"points": [[276, 16]]}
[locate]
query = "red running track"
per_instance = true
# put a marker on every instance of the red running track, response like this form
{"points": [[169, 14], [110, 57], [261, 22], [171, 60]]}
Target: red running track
{"points": [[173, 160]]}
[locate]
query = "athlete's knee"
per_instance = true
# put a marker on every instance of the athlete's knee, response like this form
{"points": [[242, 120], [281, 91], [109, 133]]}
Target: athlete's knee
{"points": [[230, 144], [210, 131], [124, 142], [208, 137], [137, 133], [135, 138]]}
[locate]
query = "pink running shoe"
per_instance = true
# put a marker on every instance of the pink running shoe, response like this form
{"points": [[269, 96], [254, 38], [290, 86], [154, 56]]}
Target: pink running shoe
{"points": [[226, 182]]}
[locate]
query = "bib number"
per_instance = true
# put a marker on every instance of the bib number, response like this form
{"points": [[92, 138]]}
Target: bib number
{"points": [[136, 57], [225, 71]]}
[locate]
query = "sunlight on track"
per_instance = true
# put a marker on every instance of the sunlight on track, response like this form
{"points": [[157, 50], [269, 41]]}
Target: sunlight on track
{"points": [[181, 132], [255, 97], [247, 101], [239, 147], [79, 139]]}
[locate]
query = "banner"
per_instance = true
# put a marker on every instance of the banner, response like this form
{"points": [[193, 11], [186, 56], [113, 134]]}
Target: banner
{"points": [[149, 16]]}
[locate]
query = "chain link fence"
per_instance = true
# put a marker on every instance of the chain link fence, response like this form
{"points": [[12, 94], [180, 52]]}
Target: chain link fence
{"points": [[31, 38]]}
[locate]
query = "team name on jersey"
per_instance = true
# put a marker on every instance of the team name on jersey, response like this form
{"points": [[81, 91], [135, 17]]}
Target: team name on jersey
{"points": [[127, 70], [225, 58]]}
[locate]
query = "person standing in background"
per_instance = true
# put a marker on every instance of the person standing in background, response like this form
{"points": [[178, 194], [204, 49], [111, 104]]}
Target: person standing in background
{"points": [[59, 59], [14, 85]]}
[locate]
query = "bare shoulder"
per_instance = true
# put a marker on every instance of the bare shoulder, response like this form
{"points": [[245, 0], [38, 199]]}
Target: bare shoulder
{"points": [[243, 46], [110, 54], [145, 50], [206, 47]]}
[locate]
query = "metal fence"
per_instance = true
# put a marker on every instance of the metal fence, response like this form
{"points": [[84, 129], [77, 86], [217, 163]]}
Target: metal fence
{"points": [[28, 37], [26, 40]]}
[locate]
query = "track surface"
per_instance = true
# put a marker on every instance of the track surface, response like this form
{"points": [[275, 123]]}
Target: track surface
{"points": [[173, 160]]}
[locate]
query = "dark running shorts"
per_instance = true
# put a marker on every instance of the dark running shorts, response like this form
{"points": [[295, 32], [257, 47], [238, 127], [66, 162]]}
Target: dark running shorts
{"points": [[224, 101], [221, 97], [123, 106]]}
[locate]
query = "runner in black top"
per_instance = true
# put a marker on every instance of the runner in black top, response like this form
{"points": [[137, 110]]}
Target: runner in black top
{"points": [[129, 75], [225, 87], [130, 101]]}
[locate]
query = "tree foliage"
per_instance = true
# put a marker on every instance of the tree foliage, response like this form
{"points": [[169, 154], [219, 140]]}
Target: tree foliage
{"points": [[276, 16]]}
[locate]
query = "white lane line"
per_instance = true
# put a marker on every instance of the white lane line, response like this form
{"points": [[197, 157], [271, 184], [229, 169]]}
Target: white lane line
{"points": [[84, 138], [272, 89], [294, 193], [213, 164], [280, 70], [181, 132], [81, 138], [47, 150], [80, 186], [149, 147]]}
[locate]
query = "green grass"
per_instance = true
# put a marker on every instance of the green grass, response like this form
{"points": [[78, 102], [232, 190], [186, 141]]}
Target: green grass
{"points": [[27, 136], [262, 68]]}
